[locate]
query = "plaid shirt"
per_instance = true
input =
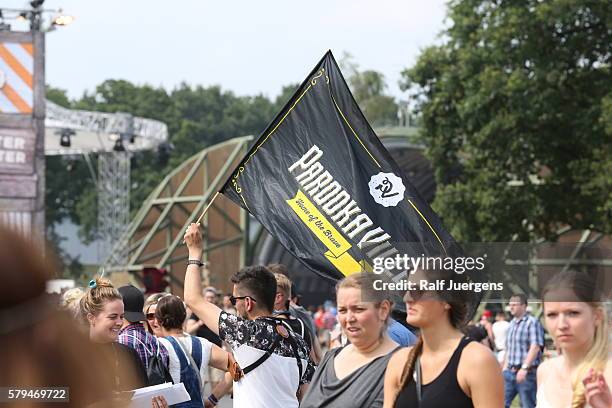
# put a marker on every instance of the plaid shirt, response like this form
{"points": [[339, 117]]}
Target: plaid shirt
{"points": [[135, 336], [522, 333]]}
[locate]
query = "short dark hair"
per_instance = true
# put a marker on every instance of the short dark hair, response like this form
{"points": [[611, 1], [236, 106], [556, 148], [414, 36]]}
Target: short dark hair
{"points": [[521, 297], [259, 282], [170, 312]]}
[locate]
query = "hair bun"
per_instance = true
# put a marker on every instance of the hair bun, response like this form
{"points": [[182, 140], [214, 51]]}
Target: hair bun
{"points": [[103, 283]]}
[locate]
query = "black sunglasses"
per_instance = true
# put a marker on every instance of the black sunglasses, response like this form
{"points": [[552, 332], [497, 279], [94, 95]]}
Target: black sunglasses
{"points": [[233, 299], [150, 316], [415, 295]]}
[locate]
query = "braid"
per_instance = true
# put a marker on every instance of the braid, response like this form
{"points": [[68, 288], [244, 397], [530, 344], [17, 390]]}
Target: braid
{"points": [[408, 370]]}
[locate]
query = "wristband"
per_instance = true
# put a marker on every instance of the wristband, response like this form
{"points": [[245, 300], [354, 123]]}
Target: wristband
{"points": [[213, 399], [197, 262], [524, 367]]}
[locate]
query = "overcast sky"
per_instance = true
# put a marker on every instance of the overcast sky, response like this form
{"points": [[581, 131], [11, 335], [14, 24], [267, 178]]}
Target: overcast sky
{"points": [[248, 47]]}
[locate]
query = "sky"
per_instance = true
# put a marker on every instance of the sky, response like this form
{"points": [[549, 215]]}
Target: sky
{"points": [[248, 47]]}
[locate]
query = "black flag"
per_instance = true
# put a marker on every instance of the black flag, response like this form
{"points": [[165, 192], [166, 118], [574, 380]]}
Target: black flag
{"points": [[321, 182]]}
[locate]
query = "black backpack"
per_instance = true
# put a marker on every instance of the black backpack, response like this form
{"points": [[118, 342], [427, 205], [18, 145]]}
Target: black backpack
{"points": [[157, 371]]}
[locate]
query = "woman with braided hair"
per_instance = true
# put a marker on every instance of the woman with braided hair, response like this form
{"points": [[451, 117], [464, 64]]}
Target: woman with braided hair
{"points": [[576, 318], [444, 368]]}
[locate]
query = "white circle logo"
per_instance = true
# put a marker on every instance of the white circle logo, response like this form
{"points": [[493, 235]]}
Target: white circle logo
{"points": [[387, 189], [2, 79]]}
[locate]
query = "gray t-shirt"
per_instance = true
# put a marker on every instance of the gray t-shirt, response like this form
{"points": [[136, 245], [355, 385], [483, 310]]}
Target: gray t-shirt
{"points": [[362, 388]]}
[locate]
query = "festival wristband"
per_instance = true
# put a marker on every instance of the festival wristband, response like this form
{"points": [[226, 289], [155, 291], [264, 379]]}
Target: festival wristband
{"points": [[197, 262], [213, 399]]}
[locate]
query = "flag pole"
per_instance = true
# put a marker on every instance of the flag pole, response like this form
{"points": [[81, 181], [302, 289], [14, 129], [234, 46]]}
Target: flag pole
{"points": [[207, 207]]}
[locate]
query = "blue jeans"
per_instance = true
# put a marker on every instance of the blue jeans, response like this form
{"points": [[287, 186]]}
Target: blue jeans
{"points": [[526, 390]]}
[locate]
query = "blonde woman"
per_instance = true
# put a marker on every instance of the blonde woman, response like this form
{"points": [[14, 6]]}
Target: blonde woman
{"points": [[575, 316], [102, 307], [70, 300], [352, 376], [70, 303]]}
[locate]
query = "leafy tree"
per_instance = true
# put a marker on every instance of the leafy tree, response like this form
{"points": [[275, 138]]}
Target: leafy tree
{"points": [[58, 96], [196, 117], [368, 88], [519, 98], [286, 93], [63, 189]]}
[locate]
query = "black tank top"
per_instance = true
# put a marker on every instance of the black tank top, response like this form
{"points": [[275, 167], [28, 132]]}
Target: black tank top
{"points": [[443, 392]]}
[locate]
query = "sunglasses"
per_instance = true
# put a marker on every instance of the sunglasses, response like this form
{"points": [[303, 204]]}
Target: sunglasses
{"points": [[418, 294], [150, 316], [233, 299]]}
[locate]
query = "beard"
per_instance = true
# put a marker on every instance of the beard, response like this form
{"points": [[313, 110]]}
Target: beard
{"points": [[242, 313]]}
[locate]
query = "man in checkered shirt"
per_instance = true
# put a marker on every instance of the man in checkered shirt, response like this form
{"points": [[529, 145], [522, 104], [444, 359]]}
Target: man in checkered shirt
{"points": [[133, 333], [524, 344]]}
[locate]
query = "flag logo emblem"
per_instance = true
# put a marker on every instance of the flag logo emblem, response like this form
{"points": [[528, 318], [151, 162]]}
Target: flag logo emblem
{"points": [[387, 189]]}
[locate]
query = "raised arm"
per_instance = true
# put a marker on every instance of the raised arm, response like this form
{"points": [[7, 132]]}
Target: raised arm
{"points": [[206, 311]]}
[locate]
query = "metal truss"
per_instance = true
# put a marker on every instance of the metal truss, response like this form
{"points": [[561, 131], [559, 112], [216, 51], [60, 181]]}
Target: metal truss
{"points": [[113, 206], [95, 131], [155, 235]]}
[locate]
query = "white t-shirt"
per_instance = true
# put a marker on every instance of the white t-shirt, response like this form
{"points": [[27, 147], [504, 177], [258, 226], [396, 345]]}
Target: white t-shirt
{"points": [[500, 330], [175, 364], [274, 383]]}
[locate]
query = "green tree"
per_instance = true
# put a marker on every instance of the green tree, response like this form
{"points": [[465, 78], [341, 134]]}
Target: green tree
{"points": [[368, 88], [516, 109], [67, 179], [196, 117]]}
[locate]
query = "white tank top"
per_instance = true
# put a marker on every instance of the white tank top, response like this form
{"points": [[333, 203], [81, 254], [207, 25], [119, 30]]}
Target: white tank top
{"points": [[542, 401]]}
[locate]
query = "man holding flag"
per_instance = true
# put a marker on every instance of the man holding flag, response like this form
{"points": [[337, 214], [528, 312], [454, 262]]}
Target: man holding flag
{"points": [[321, 182], [274, 363]]}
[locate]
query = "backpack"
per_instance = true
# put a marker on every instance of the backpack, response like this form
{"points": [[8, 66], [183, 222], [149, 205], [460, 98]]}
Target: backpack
{"points": [[190, 371], [157, 371]]}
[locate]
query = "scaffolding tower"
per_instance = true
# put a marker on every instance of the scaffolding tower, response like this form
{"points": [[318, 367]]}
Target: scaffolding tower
{"points": [[113, 206], [113, 138]]}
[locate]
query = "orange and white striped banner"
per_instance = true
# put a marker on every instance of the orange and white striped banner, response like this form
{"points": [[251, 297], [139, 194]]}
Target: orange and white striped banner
{"points": [[16, 77]]}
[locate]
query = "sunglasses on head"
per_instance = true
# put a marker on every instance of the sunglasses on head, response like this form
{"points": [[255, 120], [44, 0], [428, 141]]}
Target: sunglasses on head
{"points": [[233, 299]]}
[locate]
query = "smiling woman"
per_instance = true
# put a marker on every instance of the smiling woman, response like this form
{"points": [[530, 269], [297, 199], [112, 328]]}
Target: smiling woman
{"points": [[102, 307]]}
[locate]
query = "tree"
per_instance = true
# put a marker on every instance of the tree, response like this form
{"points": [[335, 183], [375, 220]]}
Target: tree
{"points": [[196, 117], [516, 109], [368, 88]]}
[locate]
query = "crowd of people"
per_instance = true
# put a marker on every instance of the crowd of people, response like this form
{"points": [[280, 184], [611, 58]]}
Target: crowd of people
{"points": [[259, 347]]}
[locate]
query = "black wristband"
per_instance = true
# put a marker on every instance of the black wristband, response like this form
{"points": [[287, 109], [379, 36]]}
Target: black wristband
{"points": [[195, 262], [213, 399]]}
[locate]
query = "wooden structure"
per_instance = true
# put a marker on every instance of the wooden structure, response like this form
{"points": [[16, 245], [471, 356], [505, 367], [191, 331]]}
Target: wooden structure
{"points": [[154, 238]]}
